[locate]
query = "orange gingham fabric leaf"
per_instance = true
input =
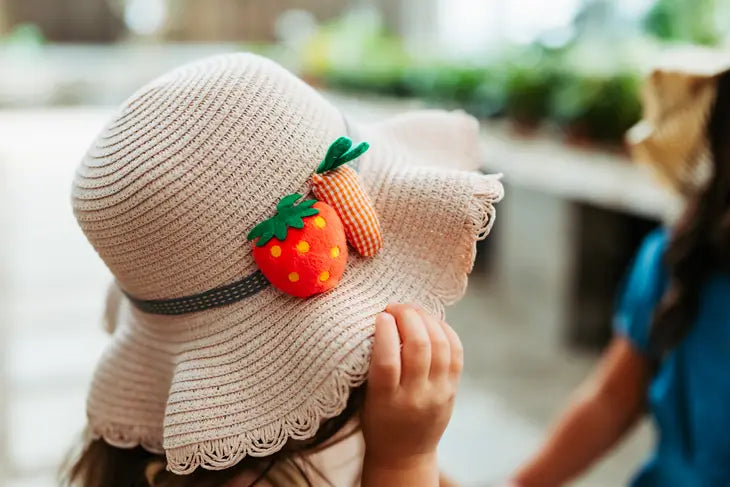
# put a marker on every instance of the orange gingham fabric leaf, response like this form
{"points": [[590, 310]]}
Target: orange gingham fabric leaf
{"points": [[341, 189]]}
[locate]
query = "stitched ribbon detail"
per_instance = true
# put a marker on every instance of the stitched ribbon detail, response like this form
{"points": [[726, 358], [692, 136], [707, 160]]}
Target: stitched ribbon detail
{"points": [[220, 296]]}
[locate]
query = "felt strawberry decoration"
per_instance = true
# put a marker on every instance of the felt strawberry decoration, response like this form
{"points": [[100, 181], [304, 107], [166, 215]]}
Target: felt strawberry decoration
{"points": [[339, 186], [302, 249]]}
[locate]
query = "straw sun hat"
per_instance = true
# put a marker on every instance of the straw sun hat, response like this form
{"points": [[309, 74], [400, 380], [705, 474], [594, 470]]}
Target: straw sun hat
{"points": [[207, 361], [678, 96]]}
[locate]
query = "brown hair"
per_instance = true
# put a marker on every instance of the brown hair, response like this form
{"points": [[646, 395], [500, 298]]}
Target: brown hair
{"points": [[102, 465], [700, 241]]}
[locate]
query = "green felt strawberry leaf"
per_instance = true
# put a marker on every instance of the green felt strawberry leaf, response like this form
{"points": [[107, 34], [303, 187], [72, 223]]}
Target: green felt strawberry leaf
{"points": [[280, 229], [266, 236], [301, 210], [340, 152], [294, 221], [308, 212], [288, 215], [288, 201], [259, 230], [306, 204]]}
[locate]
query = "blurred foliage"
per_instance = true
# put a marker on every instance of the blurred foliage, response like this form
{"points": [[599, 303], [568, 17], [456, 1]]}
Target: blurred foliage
{"points": [[588, 105], [355, 52], [530, 79], [529, 85], [696, 21], [590, 96], [596, 107]]}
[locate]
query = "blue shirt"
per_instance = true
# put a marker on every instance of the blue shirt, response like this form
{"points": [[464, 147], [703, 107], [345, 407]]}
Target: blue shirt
{"points": [[689, 397]]}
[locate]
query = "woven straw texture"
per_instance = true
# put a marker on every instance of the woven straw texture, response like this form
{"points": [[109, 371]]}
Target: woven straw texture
{"points": [[671, 138], [678, 97], [166, 195]]}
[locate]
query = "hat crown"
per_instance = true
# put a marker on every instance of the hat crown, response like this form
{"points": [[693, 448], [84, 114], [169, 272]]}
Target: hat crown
{"points": [[190, 163]]}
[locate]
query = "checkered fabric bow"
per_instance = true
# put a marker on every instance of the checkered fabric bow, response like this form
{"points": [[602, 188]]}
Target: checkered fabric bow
{"points": [[338, 185]]}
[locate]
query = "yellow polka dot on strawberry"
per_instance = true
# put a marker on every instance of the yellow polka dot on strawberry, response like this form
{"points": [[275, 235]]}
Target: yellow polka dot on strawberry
{"points": [[303, 246], [319, 222], [335, 252], [275, 251], [293, 276], [324, 276]]}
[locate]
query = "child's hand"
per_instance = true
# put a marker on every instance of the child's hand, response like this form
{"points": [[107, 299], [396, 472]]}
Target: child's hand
{"points": [[410, 390]]}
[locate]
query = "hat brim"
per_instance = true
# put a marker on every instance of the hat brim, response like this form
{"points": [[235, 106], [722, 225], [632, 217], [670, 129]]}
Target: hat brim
{"points": [[671, 139], [211, 387]]}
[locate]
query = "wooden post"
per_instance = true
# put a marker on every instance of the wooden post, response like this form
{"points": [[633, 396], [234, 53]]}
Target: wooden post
{"points": [[605, 244]]}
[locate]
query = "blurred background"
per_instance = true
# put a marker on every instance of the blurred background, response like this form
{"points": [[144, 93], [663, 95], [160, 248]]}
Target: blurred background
{"points": [[555, 85]]}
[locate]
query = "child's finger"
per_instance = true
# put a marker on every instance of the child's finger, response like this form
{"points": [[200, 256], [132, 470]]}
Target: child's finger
{"points": [[416, 353], [457, 352], [385, 366], [440, 346]]}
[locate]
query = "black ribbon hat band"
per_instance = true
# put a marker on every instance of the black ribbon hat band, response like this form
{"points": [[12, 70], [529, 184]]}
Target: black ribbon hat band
{"points": [[220, 296]]}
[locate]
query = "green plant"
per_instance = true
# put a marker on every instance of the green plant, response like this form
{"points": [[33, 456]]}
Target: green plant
{"points": [[594, 97], [530, 77], [599, 108], [685, 20]]}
